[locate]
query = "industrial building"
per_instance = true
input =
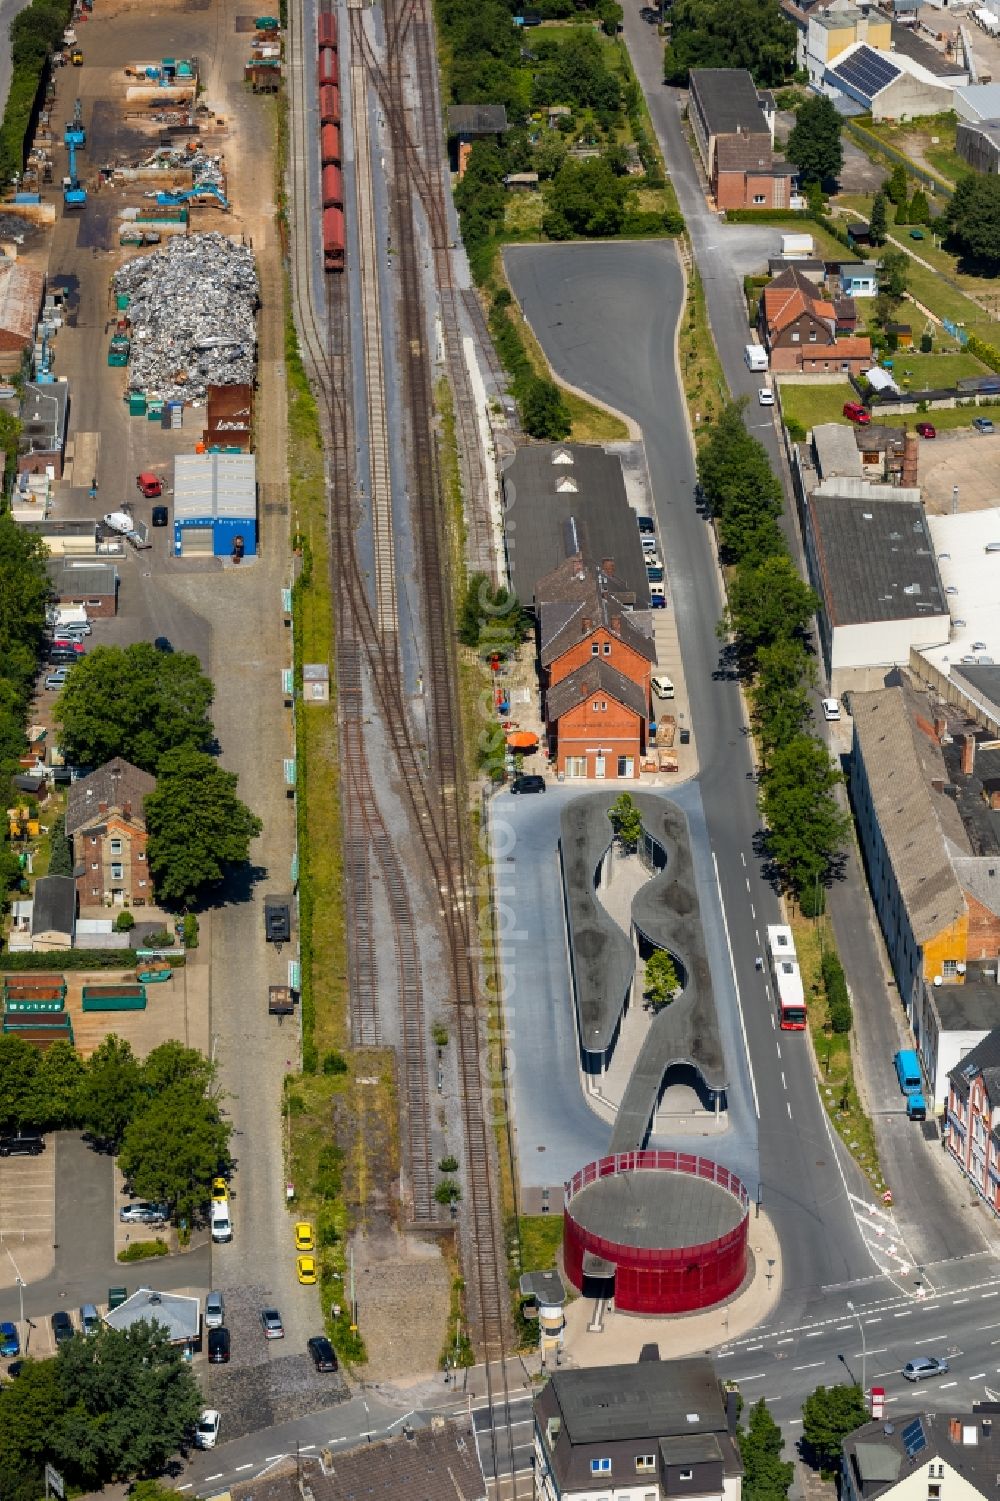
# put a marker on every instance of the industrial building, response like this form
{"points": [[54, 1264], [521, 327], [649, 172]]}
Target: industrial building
{"points": [[734, 131], [90, 582], [44, 415], [892, 85], [215, 505]]}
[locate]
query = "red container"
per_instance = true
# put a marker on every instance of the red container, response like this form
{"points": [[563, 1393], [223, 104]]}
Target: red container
{"points": [[329, 71], [333, 239], [329, 105], [333, 188], [329, 144], [326, 29]]}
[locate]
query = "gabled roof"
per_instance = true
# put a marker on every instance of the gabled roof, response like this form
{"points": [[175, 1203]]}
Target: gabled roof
{"points": [[784, 303], [983, 1059], [596, 676], [178, 1314], [728, 100], [576, 599], [115, 783], [54, 905], [752, 154]]}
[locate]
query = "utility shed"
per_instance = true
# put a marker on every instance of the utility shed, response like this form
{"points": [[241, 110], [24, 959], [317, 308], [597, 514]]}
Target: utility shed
{"points": [[215, 503]]}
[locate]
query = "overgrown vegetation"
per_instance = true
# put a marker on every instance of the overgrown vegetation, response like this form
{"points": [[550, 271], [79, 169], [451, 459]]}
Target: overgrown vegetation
{"points": [[751, 34], [766, 1476], [24, 595], [766, 626], [34, 36]]}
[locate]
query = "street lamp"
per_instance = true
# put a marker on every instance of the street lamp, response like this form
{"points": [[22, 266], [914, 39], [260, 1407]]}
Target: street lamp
{"points": [[864, 1351]]}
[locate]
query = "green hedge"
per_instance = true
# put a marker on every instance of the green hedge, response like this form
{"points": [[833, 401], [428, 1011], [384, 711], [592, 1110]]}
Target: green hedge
{"points": [[988, 353], [76, 959], [142, 1250], [34, 35], [838, 1001]]}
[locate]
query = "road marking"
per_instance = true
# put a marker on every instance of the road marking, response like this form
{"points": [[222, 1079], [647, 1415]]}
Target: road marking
{"points": [[978, 1376], [774, 1026], [743, 858], [759, 1377], [793, 1421], [272, 1457], [929, 1339], [874, 1321], [242, 1467], [784, 1081], [396, 1421], [739, 1002], [957, 1301], [813, 1366], [788, 1107], [184, 1487], [904, 1315], [788, 1341], [814, 1334], [751, 1348], [748, 883], [945, 1385], [990, 1326], [304, 1448], [989, 1295], [215, 1477]]}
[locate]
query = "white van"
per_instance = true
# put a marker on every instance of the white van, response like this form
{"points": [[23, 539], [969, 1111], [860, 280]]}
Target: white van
{"points": [[663, 687], [222, 1225], [755, 356]]}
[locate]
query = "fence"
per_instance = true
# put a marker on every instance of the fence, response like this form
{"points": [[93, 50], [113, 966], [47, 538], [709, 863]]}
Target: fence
{"points": [[871, 142]]}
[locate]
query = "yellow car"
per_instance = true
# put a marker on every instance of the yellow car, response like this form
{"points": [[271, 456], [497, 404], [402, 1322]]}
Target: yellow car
{"points": [[220, 1191], [304, 1236], [305, 1267]]}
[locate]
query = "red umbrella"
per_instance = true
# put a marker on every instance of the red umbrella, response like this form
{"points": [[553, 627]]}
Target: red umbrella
{"points": [[522, 740]]}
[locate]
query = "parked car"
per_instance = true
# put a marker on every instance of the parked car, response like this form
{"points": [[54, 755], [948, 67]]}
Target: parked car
{"points": [[305, 1270], [220, 1191], [831, 708], [74, 628], [148, 485], [215, 1311], [89, 1319], [982, 425], [649, 542], [527, 783], [927, 429], [654, 573], [206, 1434], [142, 1213], [916, 234], [652, 560], [66, 638], [22, 1144], [646, 525], [119, 521], [305, 1240], [10, 1344], [62, 1326], [270, 1320], [218, 1345], [924, 1365], [323, 1354], [55, 680], [64, 653], [159, 516], [765, 396], [657, 601], [857, 413]]}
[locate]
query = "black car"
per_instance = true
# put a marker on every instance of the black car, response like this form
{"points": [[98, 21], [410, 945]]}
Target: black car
{"points": [[647, 525], [323, 1354], [23, 1144], [218, 1345], [62, 1326], [159, 515], [528, 784], [65, 654]]}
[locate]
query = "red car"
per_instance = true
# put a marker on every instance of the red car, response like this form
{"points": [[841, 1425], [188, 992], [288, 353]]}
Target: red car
{"points": [[857, 413], [927, 429]]}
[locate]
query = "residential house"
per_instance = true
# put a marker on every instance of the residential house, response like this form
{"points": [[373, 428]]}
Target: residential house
{"points": [[53, 914], [734, 131], [798, 324], [925, 1454], [857, 279], [439, 1463], [951, 1020], [106, 822], [656, 1429], [973, 1118], [596, 657]]}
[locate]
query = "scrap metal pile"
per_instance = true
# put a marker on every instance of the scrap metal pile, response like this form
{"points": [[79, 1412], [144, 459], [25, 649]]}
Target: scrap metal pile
{"points": [[192, 307]]}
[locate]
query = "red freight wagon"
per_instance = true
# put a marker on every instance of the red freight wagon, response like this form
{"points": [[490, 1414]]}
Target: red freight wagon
{"points": [[329, 142], [328, 69], [333, 239], [329, 105], [326, 29], [333, 188]]}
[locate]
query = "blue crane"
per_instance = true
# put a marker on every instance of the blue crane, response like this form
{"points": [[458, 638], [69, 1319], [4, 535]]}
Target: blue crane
{"points": [[74, 134], [74, 193]]}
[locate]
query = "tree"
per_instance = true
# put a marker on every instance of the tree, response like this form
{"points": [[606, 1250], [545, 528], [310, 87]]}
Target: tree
{"points": [[109, 1091], [60, 853], [973, 216], [920, 212], [751, 34], [549, 154], [767, 603], [814, 144], [173, 1148], [766, 1476], [19, 1094], [896, 188], [136, 702], [828, 1416], [24, 594], [806, 825], [740, 487], [198, 827], [878, 224], [173, 1066], [894, 274], [610, 15], [661, 979], [30, 1413], [781, 693], [543, 411], [131, 1398], [627, 820], [60, 1082], [585, 198]]}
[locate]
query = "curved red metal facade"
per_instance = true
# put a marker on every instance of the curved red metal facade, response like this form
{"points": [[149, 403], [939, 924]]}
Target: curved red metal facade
{"points": [[674, 1280]]}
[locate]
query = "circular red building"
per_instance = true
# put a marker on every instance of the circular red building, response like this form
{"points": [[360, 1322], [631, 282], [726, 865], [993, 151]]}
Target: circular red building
{"points": [[660, 1232]]}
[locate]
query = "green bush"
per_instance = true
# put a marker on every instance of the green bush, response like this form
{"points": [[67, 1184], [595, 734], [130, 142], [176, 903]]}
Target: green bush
{"points": [[124, 922], [327, 1233], [190, 931], [142, 1250], [448, 1165], [334, 1063], [926, 343], [448, 1191], [34, 34], [75, 959], [329, 1179], [838, 1000], [988, 353]]}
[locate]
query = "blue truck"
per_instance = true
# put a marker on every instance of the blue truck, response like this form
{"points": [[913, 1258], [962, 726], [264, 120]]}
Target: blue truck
{"points": [[911, 1083]]}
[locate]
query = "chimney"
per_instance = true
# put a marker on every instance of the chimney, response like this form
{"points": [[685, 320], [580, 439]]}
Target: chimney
{"points": [[586, 626], [940, 725], [102, 807], [616, 624], [127, 809], [937, 783], [911, 448], [968, 755], [608, 567]]}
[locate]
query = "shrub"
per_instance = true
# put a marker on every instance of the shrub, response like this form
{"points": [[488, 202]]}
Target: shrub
{"points": [[796, 430], [838, 1000], [334, 1063], [327, 1233], [448, 1165], [328, 1175], [124, 922], [448, 1191], [926, 343], [190, 931], [142, 1250]]}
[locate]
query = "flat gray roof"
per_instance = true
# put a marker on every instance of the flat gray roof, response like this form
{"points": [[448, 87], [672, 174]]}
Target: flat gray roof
{"points": [[656, 1210], [661, 1398], [601, 955], [876, 560], [972, 1007], [836, 451], [729, 100], [215, 485], [90, 576]]}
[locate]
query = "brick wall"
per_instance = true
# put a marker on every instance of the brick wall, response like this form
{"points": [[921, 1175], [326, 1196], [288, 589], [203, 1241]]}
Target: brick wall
{"points": [[620, 656], [113, 857], [611, 730]]}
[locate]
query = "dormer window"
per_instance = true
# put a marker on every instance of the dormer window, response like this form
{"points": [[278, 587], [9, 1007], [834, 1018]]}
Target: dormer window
{"points": [[600, 1467]]}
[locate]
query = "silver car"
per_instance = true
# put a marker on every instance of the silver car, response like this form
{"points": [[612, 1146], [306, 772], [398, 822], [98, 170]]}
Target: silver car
{"points": [[215, 1311], [924, 1365]]}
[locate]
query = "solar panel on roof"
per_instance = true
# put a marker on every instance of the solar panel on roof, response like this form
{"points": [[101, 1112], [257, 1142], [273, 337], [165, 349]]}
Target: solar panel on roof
{"points": [[867, 72], [913, 1437]]}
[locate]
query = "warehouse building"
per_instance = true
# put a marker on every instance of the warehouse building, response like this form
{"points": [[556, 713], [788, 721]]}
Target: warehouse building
{"points": [[891, 85], [21, 291], [90, 582], [215, 505]]}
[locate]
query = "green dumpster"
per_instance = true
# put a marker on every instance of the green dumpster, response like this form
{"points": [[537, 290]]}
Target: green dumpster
{"points": [[137, 404]]}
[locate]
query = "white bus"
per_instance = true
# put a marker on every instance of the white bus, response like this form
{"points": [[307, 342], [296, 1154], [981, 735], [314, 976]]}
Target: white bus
{"points": [[787, 978]]}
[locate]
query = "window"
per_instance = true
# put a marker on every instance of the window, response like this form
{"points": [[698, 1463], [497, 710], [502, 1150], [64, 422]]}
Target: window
{"points": [[116, 846], [600, 1467], [117, 870], [645, 1462], [140, 855], [604, 706], [795, 337], [759, 198], [596, 706], [93, 838], [607, 648], [950, 968], [933, 1492], [812, 336], [686, 1475], [142, 883], [595, 650], [95, 866]]}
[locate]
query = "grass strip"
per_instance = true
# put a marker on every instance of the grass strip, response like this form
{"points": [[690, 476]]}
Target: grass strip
{"points": [[705, 388]]}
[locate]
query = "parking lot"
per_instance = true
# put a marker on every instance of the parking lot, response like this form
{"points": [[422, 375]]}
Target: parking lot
{"points": [[962, 458], [27, 1216]]}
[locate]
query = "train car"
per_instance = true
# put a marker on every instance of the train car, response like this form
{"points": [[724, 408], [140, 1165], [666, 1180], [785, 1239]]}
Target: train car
{"points": [[329, 105], [333, 187], [326, 29], [329, 140], [333, 239], [329, 71]]}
